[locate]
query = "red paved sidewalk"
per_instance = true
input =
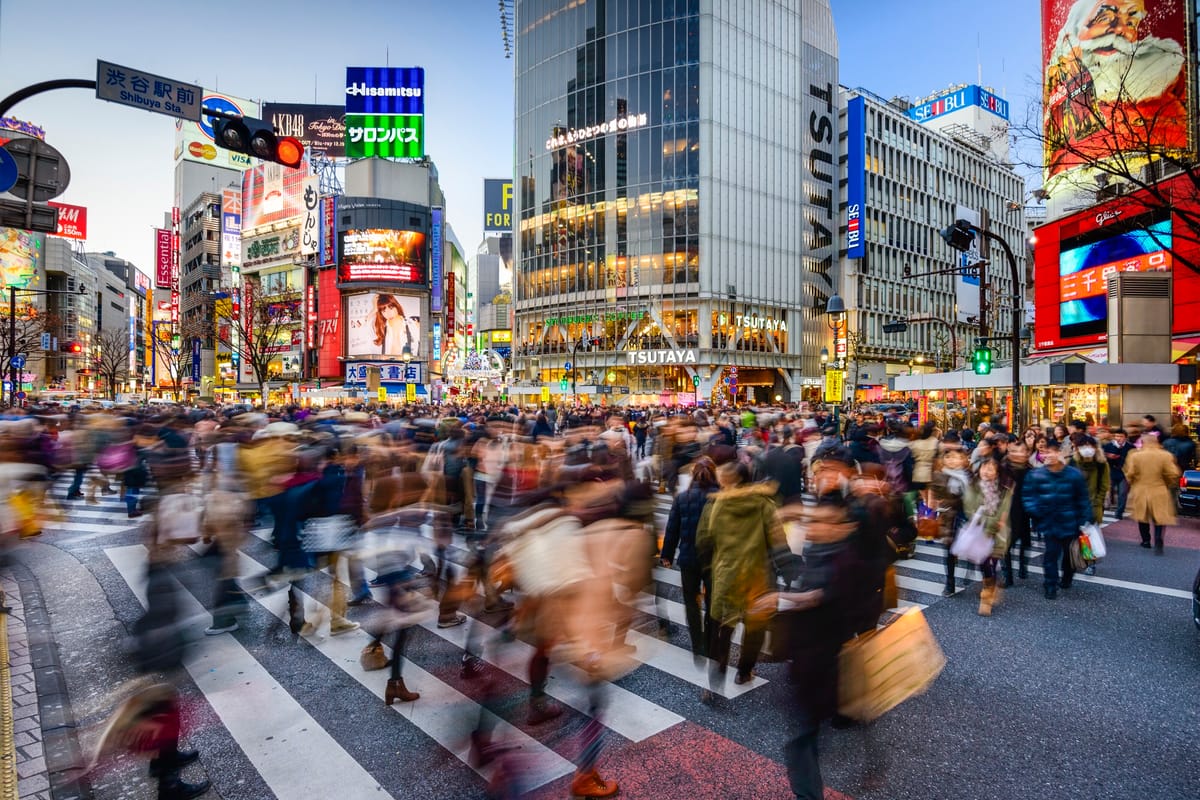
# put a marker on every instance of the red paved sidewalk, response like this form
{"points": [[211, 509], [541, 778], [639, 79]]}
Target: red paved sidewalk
{"points": [[1186, 534]]}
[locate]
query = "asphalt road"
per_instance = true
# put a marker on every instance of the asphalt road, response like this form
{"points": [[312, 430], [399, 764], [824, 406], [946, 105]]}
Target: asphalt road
{"points": [[1090, 696]]}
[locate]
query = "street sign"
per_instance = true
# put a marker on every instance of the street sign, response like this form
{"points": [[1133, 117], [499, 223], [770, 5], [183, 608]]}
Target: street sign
{"points": [[895, 327], [28, 216], [42, 171], [567, 365], [733, 370], [8, 170], [145, 90], [18, 362], [45, 341], [381, 394], [21, 395]]}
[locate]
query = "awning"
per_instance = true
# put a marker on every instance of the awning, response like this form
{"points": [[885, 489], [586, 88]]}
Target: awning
{"points": [[1092, 355]]}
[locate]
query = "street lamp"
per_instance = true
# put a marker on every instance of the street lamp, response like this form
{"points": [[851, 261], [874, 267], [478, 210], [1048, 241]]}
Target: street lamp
{"points": [[824, 355], [961, 235]]}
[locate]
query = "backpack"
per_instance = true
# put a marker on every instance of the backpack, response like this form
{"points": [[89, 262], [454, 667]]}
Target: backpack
{"points": [[897, 466]]}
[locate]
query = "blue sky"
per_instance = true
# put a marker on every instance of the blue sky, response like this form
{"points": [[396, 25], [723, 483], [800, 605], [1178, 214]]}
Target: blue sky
{"points": [[121, 158]]}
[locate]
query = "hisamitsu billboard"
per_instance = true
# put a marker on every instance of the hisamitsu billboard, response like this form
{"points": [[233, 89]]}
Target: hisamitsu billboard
{"points": [[385, 90], [497, 205]]}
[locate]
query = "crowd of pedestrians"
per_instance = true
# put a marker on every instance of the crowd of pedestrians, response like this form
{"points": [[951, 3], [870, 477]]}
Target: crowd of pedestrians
{"points": [[542, 522]]}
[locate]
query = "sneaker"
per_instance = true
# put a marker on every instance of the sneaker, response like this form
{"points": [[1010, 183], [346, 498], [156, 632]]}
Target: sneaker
{"points": [[343, 626], [359, 599], [499, 605], [743, 677], [217, 629], [543, 710], [472, 667], [1091, 570], [452, 622], [377, 582]]}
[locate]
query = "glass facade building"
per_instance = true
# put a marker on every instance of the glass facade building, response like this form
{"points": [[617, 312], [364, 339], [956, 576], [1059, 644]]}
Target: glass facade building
{"points": [[676, 166]]}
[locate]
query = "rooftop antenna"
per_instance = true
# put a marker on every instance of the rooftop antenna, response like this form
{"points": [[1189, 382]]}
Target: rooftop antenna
{"points": [[978, 60], [314, 87]]}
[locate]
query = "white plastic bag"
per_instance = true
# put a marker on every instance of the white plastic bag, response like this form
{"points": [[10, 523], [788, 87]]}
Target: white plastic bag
{"points": [[972, 542], [178, 518], [1099, 548]]}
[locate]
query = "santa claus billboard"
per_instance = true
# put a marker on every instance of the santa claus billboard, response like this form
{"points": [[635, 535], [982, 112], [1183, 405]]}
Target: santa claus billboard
{"points": [[1116, 84]]}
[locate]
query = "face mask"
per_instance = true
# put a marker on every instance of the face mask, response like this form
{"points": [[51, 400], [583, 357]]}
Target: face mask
{"points": [[1087, 452]]}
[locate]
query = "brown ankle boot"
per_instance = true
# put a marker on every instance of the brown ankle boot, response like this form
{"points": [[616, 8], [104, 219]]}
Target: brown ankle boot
{"points": [[987, 597], [396, 690], [590, 784]]}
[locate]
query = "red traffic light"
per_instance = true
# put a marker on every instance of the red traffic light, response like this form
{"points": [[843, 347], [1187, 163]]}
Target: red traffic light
{"points": [[289, 151], [74, 347], [257, 138]]}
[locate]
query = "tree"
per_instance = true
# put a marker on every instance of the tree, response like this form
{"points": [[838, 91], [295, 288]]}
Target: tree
{"points": [[110, 358], [1115, 122], [173, 353], [262, 330], [31, 323]]}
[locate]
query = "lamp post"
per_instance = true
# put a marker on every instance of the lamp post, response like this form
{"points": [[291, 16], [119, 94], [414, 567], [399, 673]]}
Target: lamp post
{"points": [[575, 345], [13, 291], [960, 236], [835, 310]]}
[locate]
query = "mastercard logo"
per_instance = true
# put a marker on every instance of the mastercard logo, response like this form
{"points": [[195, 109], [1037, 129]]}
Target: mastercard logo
{"points": [[201, 150]]}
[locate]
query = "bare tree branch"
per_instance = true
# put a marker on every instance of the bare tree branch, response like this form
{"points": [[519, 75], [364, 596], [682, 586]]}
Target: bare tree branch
{"points": [[261, 331], [110, 358]]}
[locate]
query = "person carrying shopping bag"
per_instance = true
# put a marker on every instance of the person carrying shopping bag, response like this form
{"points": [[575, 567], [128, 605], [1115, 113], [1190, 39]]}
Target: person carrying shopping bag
{"points": [[990, 496]]}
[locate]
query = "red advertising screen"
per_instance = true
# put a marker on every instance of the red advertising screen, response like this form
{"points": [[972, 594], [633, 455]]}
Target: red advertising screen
{"points": [[382, 256], [329, 324], [1075, 256], [162, 258]]}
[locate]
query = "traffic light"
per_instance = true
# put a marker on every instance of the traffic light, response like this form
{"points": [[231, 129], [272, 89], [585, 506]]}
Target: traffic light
{"points": [[982, 360], [562, 384], [73, 347], [696, 380], [959, 235], [257, 138]]}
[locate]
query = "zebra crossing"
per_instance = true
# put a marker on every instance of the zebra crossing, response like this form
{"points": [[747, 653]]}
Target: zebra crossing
{"points": [[276, 731]]}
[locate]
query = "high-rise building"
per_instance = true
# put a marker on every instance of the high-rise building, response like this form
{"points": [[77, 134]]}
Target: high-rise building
{"points": [[121, 309], [912, 170], [676, 181]]}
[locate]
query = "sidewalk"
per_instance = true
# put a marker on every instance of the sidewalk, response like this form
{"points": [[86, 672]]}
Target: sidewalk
{"points": [[38, 748], [21, 732]]}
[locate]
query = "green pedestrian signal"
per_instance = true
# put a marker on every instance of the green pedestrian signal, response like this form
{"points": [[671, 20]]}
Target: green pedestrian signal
{"points": [[562, 384], [696, 380], [982, 361]]}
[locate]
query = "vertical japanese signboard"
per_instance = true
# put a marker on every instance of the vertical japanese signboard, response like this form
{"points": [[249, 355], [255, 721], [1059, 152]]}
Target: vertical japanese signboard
{"points": [[435, 260], [231, 228], [310, 232], [856, 176]]}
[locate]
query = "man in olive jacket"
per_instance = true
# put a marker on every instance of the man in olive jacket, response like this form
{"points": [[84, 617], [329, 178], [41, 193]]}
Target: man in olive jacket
{"points": [[1057, 499]]}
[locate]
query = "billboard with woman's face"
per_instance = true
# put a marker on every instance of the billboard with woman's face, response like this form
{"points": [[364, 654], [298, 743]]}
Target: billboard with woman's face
{"points": [[383, 325]]}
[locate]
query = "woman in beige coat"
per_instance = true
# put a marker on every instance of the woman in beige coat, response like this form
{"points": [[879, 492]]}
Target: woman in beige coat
{"points": [[1152, 474]]}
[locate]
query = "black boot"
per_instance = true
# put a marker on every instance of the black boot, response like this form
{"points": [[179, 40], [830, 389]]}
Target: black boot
{"points": [[1008, 573], [1023, 570], [172, 762], [173, 788], [951, 565]]}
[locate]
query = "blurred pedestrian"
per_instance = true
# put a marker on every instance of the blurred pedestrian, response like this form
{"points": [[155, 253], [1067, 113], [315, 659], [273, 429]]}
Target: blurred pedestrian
{"points": [[1153, 475], [694, 576], [1116, 452], [1057, 499], [990, 495]]}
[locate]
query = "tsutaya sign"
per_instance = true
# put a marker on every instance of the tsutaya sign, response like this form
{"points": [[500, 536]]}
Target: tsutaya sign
{"points": [[756, 323], [661, 356], [614, 125]]}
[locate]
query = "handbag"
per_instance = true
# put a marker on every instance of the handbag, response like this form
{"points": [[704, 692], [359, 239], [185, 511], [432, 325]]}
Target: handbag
{"points": [[928, 525], [179, 517], [372, 657], [881, 669], [117, 458], [327, 534], [1099, 547], [972, 542], [1077, 561]]}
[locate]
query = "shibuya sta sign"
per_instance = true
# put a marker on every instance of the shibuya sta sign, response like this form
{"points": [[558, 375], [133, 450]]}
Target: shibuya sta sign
{"points": [[638, 357], [614, 125]]}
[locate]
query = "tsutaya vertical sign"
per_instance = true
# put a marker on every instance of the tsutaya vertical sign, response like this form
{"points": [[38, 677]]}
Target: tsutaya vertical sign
{"points": [[820, 142], [856, 176]]}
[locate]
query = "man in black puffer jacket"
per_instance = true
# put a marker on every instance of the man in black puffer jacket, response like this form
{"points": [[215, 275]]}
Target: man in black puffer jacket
{"points": [[1057, 500], [682, 523]]}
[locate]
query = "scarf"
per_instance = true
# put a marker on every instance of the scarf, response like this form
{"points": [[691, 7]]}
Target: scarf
{"points": [[991, 497]]}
